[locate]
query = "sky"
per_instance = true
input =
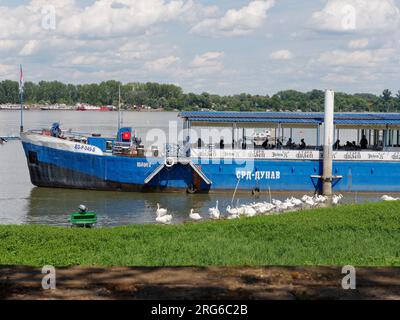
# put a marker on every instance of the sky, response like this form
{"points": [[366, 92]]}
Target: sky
{"points": [[222, 47]]}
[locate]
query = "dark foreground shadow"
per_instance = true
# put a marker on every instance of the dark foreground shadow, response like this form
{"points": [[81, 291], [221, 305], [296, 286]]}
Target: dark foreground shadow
{"points": [[213, 283]]}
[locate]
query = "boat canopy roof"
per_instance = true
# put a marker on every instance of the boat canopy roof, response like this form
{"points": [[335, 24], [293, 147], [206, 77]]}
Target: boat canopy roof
{"points": [[292, 119]]}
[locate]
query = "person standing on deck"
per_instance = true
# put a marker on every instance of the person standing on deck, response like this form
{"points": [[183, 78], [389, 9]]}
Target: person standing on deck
{"points": [[303, 145], [200, 143], [265, 144], [222, 144], [364, 143]]}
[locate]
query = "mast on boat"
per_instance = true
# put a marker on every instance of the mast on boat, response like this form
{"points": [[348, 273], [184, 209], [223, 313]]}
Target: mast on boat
{"points": [[21, 95], [119, 109]]}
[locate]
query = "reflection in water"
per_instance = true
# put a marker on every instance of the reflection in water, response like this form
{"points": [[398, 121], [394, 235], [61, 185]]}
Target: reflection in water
{"points": [[14, 183], [53, 206]]}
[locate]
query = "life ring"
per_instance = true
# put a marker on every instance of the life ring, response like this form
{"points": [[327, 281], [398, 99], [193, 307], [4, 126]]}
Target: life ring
{"points": [[169, 162]]}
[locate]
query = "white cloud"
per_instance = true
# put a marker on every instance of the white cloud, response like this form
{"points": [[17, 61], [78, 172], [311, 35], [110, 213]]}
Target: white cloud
{"points": [[87, 60], [195, 12], [101, 19], [211, 59], [357, 16], [28, 21], [339, 78], [30, 48], [137, 40], [358, 43], [281, 55], [133, 50], [359, 58], [163, 64], [104, 18], [6, 71], [6, 45], [236, 22]]}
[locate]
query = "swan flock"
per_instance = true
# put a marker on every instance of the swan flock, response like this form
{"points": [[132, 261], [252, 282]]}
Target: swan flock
{"points": [[261, 208]]}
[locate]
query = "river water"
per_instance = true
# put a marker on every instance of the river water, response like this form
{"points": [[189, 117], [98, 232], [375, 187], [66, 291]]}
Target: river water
{"points": [[22, 203]]}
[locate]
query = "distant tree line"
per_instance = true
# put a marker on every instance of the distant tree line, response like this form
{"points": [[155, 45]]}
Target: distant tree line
{"points": [[172, 97]]}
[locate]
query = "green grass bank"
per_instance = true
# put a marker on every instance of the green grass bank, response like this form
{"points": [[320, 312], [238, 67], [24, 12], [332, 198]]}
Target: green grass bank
{"points": [[359, 235]]}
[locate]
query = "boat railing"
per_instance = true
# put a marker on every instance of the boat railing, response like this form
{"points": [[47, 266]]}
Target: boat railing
{"points": [[120, 148], [175, 151], [71, 135]]}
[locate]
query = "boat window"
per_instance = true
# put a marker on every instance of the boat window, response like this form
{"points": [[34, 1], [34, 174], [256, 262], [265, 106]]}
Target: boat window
{"points": [[32, 157], [109, 146]]}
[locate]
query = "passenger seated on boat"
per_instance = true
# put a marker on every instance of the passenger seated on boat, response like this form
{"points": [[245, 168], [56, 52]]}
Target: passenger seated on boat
{"points": [[222, 144], [364, 143], [265, 144], [279, 144], [351, 146], [290, 143], [336, 146], [303, 145]]}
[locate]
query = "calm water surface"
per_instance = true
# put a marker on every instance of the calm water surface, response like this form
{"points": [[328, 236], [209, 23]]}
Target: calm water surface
{"points": [[22, 203]]}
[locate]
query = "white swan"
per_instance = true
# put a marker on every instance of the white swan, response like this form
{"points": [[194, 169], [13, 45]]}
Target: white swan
{"points": [[232, 211], [336, 199], [259, 208], [320, 199], [250, 212], [242, 210], [289, 204], [268, 207], [296, 202], [166, 219], [214, 212], [277, 202], [279, 205], [309, 201], [161, 211], [389, 198], [194, 216], [283, 206]]}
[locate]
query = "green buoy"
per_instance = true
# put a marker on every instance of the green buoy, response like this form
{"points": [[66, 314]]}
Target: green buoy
{"points": [[83, 218]]}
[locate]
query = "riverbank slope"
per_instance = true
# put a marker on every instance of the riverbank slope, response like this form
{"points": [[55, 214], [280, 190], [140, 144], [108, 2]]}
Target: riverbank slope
{"points": [[360, 235]]}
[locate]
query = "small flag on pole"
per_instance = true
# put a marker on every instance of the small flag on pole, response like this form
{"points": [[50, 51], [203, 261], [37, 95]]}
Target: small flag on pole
{"points": [[21, 81]]}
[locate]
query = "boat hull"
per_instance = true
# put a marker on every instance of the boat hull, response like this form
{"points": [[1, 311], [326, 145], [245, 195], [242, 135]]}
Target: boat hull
{"points": [[52, 167]]}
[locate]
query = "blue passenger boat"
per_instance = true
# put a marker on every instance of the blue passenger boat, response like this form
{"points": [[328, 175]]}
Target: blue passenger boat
{"points": [[284, 162]]}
